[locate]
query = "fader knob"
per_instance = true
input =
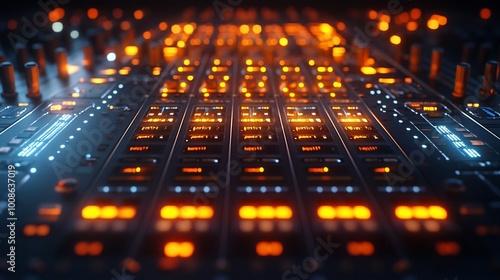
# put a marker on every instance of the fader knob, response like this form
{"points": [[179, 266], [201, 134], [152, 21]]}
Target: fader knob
{"points": [[154, 55], [491, 71], [437, 56], [96, 38], [415, 51], [489, 80], [467, 51], [363, 55], [484, 52], [461, 80], [62, 63], [22, 54], [88, 57], [40, 57], [8, 80], [32, 79]]}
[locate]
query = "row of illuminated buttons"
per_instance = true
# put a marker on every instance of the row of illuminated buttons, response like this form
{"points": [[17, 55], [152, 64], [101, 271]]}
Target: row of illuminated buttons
{"points": [[280, 212], [145, 171], [185, 249], [180, 79], [217, 80]]}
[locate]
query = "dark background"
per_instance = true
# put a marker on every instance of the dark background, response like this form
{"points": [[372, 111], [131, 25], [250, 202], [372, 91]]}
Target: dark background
{"points": [[15, 7]]}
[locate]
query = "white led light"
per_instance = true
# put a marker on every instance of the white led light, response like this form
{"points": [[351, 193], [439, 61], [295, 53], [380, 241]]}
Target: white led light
{"points": [[74, 34], [111, 56], [57, 27]]}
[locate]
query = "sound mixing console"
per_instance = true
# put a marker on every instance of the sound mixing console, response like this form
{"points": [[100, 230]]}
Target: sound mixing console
{"points": [[236, 142]]}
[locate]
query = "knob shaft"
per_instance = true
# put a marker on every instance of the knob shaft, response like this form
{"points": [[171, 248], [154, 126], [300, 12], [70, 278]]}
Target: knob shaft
{"points": [[32, 79], [467, 51], [22, 54], [491, 71], [8, 80], [62, 63], [40, 57], [154, 55], [363, 55], [88, 57], [415, 52], [437, 56], [461, 80], [489, 79]]}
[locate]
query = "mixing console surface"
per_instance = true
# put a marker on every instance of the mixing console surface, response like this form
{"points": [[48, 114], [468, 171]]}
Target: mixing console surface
{"points": [[248, 143]]}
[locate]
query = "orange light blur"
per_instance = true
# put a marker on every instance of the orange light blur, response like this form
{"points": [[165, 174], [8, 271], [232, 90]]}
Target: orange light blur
{"points": [[50, 211], [176, 29], [485, 13], [272, 248], [328, 212], [179, 249], [383, 26], [265, 212], [92, 13], [317, 169], [433, 24], [146, 35], [404, 17], [12, 24], [138, 14], [126, 212], [108, 212], [117, 13], [170, 212], [257, 29], [283, 42], [170, 52], [368, 70], [131, 50], [395, 40], [363, 248], [83, 248], [188, 29], [91, 212], [162, 26], [98, 80], [415, 13], [442, 20], [385, 18], [36, 230], [125, 25], [447, 248], [341, 26], [412, 26], [372, 14], [56, 14], [420, 212], [244, 29]]}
